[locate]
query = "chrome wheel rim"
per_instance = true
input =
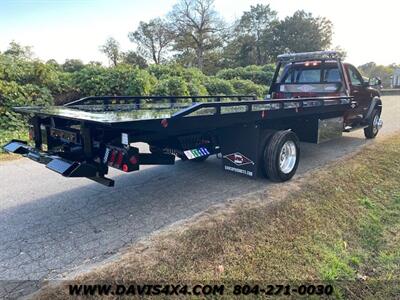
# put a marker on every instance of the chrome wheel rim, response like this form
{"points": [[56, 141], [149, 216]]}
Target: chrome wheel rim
{"points": [[287, 157], [375, 124]]}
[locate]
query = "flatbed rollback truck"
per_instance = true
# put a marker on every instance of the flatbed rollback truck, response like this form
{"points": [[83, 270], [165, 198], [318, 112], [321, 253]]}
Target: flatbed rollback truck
{"points": [[314, 97]]}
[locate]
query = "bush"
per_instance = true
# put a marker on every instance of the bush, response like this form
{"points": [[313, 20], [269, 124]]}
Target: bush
{"points": [[217, 86], [26, 81], [166, 71], [258, 74], [72, 65], [122, 80], [25, 71], [12, 94], [247, 87], [196, 88], [173, 86]]}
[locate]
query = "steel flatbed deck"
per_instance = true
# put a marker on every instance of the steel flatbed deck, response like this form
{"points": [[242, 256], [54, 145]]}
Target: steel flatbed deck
{"points": [[120, 113], [85, 137]]}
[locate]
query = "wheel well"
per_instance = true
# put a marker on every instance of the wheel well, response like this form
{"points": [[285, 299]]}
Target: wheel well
{"points": [[378, 103]]}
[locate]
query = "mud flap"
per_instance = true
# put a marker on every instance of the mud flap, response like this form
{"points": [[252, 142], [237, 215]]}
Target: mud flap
{"points": [[240, 148]]}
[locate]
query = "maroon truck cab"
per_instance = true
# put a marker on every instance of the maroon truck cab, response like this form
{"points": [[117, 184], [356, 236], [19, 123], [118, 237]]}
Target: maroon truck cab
{"points": [[301, 77]]}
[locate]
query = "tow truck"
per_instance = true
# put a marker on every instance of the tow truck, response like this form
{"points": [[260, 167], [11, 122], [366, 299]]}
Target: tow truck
{"points": [[314, 97]]}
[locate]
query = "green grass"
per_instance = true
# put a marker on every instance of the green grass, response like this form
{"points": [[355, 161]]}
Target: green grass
{"points": [[340, 226]]}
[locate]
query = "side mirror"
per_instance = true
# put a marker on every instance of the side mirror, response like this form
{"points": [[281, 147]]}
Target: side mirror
{"points": [[375, 81]]}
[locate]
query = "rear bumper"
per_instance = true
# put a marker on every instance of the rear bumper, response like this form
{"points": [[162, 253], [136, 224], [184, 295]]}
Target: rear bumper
{"points": [[59, 165]]}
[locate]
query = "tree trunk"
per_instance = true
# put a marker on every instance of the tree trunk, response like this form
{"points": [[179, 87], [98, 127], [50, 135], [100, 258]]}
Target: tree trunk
{"points": [[200, 57]]}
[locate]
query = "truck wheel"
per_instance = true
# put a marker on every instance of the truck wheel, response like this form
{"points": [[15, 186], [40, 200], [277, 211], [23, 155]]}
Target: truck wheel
{"points": [[281, 156], [374, 124]]}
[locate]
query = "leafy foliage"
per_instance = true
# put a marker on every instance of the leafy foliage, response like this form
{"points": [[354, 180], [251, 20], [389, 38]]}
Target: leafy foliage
{"points": [[217, 86], [153, 39], [172, 86], [247, 87], [134, 59], [197, 29], [73, 65], [301, 33], [14, 94], [111, 50], [121, 80], [257, 74], [253, 36]]}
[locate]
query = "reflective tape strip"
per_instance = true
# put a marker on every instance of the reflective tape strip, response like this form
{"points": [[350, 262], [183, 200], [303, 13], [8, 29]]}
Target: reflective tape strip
{"points": [[106, 154], [189, 154]]}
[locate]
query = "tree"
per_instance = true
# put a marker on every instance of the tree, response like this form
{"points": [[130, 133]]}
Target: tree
{"points": [[255, 34], [371, 70], [153, 39], [301, 33], [111, 50], [17, 51], [52, 62], [342, 52], [73, 65], [198, 28], [134, 59]]}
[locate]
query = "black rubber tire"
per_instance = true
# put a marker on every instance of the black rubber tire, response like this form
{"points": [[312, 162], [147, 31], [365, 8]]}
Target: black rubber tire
{"points": [[369, 131], [272, 152]]}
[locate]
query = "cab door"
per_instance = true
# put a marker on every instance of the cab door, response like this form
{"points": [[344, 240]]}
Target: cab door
{"points": [[359, 91]]}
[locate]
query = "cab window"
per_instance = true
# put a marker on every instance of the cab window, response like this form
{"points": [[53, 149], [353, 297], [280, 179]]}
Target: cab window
{"points": [[355, 77], [298, 75], [332, 75]]}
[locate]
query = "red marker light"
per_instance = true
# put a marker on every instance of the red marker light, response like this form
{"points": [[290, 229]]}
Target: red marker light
{"points": [[164, 123], [125, 168]]}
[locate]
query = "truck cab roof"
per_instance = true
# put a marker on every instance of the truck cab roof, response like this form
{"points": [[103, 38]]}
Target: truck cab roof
{"points": [[310, 74]]}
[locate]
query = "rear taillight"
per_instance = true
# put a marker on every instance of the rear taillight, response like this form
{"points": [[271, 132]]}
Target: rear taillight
{"points": [[119, 159], [112, 157]]}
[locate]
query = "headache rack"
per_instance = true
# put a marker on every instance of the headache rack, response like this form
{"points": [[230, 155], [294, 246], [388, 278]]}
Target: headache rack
{"points": [[318, 55], [323, 56]]}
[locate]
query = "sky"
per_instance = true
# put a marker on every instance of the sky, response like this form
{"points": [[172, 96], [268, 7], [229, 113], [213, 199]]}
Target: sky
{"points": [[61, 29]]}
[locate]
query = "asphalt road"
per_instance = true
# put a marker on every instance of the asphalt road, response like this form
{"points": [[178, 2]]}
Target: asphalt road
{"points": [[50, 225]]}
